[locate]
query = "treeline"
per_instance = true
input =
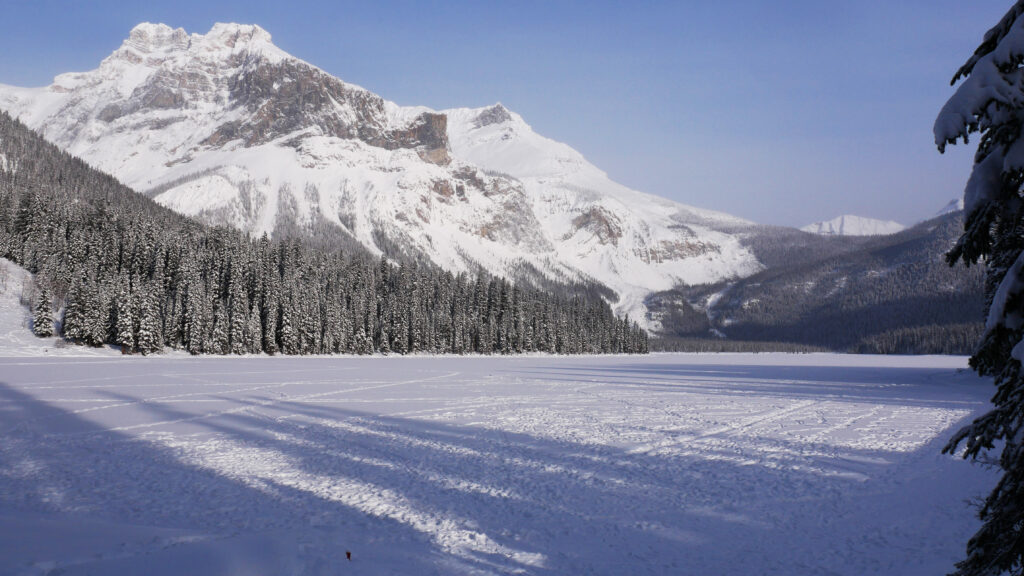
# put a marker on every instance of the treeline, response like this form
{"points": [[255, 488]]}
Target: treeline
{"points": [[128, 272], [948, 339], [711, 344]]}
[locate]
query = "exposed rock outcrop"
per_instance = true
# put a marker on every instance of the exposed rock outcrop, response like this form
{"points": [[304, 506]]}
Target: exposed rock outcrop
{"points": [[601, 224]]}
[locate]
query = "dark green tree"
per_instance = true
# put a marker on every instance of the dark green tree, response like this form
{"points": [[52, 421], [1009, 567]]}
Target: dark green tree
{"points": [[42, 315], [990, 101], [124, 324], [148, 336]]}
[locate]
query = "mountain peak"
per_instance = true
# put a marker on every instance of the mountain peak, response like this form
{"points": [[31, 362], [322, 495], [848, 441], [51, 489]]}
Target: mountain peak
{"points": [[147, 29], [152, 43], [229, 34], [496, 114], [148, 37]]}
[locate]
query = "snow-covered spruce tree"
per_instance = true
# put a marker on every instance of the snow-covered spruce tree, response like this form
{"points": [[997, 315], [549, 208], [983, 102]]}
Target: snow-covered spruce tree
{"points": [[254, 331], [239, 308], [289, 338], [148, 338], [124, 325], [271, 311], [218, 343], [42, 315], [73, 318], [990, 101], [385, 346], [98, 315]]}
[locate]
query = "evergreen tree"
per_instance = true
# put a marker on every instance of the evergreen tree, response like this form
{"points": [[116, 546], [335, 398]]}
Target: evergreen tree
{"points": [[400, 313], [148, 336], [990, 101], [270, 313], [84, 314], [124, 324], [254, 332], [218, 342], [289, 337], [197, 315], [42, 316], [97, 315], [73, 323], [239, 312], [174, 322]]}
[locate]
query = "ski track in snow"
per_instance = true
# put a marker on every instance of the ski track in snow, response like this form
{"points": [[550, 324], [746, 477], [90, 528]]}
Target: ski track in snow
{"points": [[667, 464]]}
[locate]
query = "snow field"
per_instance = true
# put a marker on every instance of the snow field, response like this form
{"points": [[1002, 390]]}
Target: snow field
{"points": [[666, 464]]}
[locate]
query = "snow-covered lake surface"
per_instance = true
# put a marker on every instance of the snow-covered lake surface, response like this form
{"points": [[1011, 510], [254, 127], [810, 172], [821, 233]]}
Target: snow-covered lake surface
{"points": [[667, 464]]}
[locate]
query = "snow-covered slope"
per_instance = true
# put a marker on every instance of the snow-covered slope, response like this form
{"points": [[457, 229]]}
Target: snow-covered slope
{"points": [[16, 337], [627, 239], [228, 128], [848, 225]]}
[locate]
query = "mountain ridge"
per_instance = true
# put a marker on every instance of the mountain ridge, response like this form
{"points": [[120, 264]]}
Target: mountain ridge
{"points": [[227, 128], [876, 294], [851, 225]]}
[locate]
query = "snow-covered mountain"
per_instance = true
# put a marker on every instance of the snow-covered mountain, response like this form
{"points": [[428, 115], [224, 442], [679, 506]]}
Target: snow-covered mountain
{"points": [[848, 225], [229, 128], [859, 226]]}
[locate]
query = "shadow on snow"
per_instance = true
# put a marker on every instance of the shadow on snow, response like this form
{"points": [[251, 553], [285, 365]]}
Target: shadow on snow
{"points": [[422, 493]]}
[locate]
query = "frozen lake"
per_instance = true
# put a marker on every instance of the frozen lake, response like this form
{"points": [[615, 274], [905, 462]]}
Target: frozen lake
{"points": [[667, 464]]}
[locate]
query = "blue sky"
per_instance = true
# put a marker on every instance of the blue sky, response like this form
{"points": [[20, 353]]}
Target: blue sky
{"points": [[780, 112]]}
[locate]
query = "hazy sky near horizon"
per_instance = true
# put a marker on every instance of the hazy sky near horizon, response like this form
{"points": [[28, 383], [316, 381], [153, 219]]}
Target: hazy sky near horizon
{"points": [[779, 112]]}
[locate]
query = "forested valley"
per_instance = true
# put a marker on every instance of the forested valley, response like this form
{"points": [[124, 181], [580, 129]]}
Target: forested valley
{"points": [[892, 294]]}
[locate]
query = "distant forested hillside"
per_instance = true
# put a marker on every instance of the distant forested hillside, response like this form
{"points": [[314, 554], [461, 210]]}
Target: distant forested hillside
{"points": [[113, 267], [883, 294]]}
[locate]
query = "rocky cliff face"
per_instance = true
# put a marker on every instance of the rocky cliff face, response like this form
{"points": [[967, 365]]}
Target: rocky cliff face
{"points": [[290, 96], [228, 128]]}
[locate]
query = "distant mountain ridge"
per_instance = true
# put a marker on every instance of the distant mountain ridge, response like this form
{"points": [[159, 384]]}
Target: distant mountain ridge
{"points": [[880, 294], [228, 128], [849, 225]]}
